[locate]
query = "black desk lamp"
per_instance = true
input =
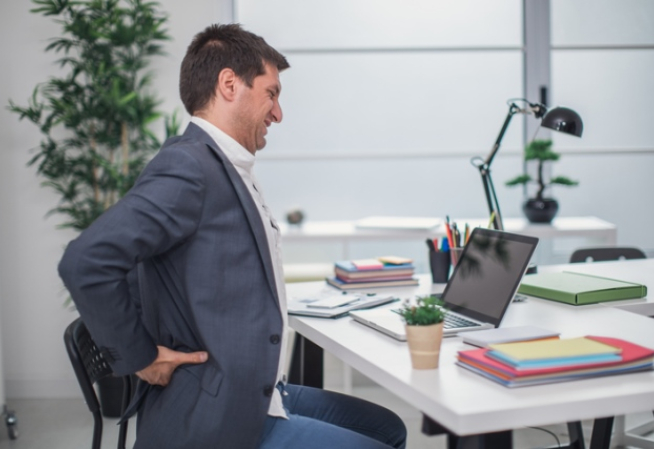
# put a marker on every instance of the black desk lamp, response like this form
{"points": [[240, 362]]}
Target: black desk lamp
{"points": [[559, 119]]}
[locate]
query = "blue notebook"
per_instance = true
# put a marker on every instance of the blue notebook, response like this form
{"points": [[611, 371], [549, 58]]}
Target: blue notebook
{"points": [[347, 265]]}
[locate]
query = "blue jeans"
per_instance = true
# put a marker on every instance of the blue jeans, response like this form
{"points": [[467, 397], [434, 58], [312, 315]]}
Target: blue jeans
{"points": [[320, 419]]}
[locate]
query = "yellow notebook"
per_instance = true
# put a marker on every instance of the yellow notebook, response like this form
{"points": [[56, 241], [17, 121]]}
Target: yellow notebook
{"points": [[546, 349]]}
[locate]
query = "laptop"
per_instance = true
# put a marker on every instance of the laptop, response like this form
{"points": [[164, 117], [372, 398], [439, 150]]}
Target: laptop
{"points": [[480, 289]]}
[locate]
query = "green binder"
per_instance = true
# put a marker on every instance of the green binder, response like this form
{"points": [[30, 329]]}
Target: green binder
{"points": [[578, 288]]}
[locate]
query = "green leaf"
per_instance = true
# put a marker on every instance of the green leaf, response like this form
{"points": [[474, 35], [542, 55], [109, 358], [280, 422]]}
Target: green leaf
{"points": [[540, 150], [518, 180], [562, 180]]}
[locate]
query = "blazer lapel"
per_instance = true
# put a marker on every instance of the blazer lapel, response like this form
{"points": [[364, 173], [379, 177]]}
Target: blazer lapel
{"points": [[249, 207]]}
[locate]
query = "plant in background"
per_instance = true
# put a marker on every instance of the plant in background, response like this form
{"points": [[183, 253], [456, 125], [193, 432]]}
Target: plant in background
{"points": [[541, 151], [96, 119], [426, 311]]}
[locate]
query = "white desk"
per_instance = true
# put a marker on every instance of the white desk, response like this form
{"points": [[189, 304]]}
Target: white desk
{"points": [[346, 232], [466, 403]]}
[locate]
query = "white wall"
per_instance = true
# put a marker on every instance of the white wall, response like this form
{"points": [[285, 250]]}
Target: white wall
{"points": [[32, 316], [614, 186]]}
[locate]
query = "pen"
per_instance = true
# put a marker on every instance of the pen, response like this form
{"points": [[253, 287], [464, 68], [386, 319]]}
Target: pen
{"points": [[466, 234], [456, 235], [430, 245]]}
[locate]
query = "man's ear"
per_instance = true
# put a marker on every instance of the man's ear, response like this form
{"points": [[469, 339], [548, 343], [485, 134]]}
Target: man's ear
{"points": [[227, 84]]}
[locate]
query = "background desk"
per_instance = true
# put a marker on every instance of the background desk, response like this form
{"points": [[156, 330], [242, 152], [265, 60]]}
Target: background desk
{"points": [[346, 233], [466, 403]]}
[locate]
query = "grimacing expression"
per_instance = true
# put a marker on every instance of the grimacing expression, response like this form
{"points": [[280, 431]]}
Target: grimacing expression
{"points": [[258, 107]]}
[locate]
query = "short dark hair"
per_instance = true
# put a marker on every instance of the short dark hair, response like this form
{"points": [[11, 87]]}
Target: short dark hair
{"points": [[219, 47]]}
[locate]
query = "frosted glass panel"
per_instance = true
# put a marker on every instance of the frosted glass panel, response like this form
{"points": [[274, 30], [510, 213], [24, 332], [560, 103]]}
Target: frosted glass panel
{"points": [[618, 22], [397, 103], [343, 24], [612, 91]]}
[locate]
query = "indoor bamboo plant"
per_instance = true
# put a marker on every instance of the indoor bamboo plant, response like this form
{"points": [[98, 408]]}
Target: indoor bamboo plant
{"points": [[98, 118], [540, 209], [424, 330]]}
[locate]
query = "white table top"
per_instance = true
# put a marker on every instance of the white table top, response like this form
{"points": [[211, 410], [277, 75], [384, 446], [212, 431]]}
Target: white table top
{"points": [[467, 403]]}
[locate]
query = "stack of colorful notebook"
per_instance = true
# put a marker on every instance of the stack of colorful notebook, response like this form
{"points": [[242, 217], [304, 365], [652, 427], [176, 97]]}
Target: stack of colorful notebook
{"points": [[389, 271], [556, 360]]}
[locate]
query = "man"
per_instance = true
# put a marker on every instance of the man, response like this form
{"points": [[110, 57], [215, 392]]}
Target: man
{"points": [[205, 325]]}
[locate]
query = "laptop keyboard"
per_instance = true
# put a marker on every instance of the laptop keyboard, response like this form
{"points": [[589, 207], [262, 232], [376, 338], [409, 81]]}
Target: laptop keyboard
{"points": [[456, 321], [452, 321]]}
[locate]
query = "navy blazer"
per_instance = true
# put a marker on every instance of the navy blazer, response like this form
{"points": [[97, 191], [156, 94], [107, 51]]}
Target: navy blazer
{"points": [[191, 231]]}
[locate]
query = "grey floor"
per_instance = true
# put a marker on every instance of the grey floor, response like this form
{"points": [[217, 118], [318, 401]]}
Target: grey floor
{"points": [[66, 423]]}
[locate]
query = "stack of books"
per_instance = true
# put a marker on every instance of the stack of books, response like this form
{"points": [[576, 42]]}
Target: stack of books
{"points": [[556, 360], [389, 271]]}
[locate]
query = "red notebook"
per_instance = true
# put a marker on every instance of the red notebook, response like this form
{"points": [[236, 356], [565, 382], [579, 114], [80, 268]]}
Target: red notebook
{"points": [[630, 353]]}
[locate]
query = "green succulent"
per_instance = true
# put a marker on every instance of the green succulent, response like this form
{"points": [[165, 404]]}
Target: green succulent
{"points": [[427, 310]]}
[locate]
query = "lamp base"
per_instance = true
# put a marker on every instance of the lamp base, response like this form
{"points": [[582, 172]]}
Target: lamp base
{"points": [[540, 211]]}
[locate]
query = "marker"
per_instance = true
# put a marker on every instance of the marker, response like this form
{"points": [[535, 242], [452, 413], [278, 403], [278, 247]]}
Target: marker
{"points": [[445, 245]]}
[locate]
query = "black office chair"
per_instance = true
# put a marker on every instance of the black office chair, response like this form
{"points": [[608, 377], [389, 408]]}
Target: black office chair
{"points": [[90, 366], [602, 254]]}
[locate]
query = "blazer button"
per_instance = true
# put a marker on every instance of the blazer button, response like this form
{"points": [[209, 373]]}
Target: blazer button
{"points": [[274, 339], [268, 390]]}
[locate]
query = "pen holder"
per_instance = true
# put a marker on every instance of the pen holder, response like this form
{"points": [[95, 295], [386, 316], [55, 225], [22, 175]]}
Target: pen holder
{"points": [[439, 262], [455, 255]]}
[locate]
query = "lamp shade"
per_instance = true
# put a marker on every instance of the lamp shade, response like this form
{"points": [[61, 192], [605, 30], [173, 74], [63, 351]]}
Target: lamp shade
{"points": [[564, 120]]}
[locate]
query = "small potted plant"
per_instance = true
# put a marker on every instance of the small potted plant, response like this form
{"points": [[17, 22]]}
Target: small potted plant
{"points": [[424, 330], [540, 209]]}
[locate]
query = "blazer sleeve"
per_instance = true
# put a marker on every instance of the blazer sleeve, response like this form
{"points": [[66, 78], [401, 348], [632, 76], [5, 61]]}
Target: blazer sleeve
{"points": [[160, 211]]}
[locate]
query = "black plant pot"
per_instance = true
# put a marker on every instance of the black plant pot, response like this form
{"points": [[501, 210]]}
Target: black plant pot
{"points": [[540, 211]]}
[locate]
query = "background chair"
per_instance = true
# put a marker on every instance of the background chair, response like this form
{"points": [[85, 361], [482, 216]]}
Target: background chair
{"points": [[606, 253], [89, 367]]}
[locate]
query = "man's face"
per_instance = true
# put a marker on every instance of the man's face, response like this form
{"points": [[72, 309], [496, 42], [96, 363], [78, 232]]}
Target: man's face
{"points": [[257, 108]]}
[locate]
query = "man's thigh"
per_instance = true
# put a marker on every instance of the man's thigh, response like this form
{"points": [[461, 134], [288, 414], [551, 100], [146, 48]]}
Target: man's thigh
{"points": [[300, 432], [320, 419]]}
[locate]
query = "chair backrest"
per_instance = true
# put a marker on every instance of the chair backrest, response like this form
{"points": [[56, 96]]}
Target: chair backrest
{"points": [[89, 367], [606, 253]]}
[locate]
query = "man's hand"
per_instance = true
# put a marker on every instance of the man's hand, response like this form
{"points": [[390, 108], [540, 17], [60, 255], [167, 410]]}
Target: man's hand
{"points": [[167, 361]]}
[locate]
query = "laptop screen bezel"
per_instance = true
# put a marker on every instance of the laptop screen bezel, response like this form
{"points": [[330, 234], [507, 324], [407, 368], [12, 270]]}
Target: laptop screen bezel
{"points": [[493, 234]]}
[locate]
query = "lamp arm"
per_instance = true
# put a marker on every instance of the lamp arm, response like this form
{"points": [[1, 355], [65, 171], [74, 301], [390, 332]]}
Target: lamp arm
{"points": [[484, 170], [513, 110]]}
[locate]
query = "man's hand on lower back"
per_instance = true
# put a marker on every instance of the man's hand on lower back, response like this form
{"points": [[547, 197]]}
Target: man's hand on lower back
{"points": [[161, 370]]}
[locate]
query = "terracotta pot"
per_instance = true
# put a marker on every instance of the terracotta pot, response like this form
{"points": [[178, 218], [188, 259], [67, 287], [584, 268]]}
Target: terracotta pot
{"points": [[424, 345]]}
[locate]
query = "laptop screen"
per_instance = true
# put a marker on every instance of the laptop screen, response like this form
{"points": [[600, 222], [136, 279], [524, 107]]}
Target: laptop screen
{"points": [[488, 274]]}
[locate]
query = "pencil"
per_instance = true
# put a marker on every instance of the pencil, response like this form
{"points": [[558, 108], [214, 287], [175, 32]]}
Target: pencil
{"points": [[492, 219]]}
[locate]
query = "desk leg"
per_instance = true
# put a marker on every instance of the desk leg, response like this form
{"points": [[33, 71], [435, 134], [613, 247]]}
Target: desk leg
{"points": [[496, 440], [576, 434], [306, 363], [601, 437]]}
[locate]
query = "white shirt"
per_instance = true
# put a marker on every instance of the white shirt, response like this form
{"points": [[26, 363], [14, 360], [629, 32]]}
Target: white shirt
{"points": [[243, 162]]}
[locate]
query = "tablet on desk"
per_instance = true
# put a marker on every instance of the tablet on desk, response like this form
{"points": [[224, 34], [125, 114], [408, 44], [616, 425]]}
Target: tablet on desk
{"points": [[335, 305]]}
